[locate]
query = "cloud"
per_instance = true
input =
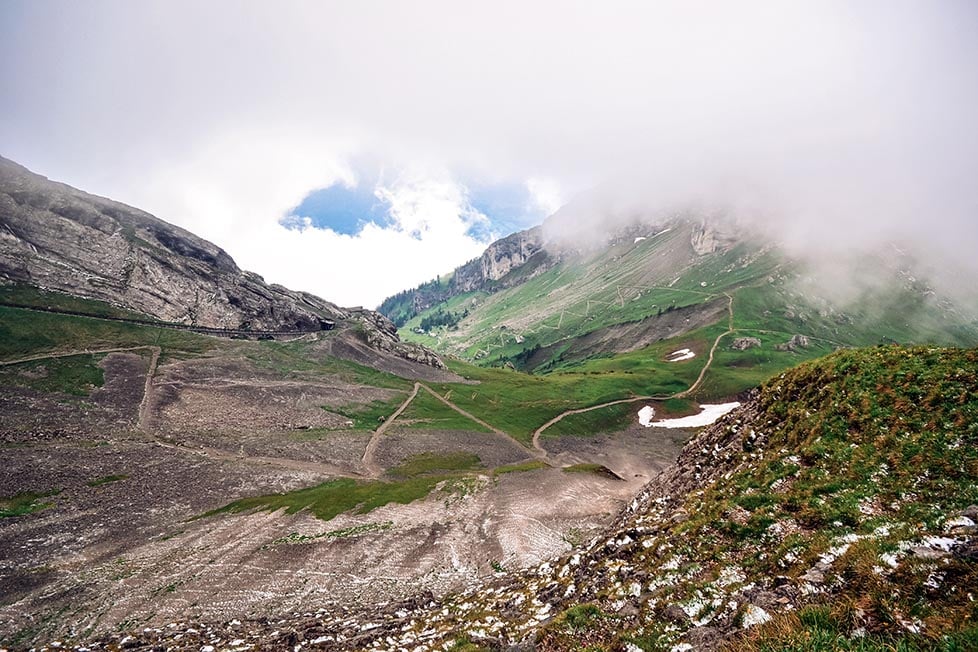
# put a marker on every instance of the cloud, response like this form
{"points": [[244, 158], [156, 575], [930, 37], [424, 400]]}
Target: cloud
{"points": [[835, 121]]}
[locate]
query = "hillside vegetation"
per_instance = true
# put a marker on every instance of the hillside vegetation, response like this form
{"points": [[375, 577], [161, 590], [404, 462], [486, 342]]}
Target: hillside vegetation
{"points": [[612, 307]]}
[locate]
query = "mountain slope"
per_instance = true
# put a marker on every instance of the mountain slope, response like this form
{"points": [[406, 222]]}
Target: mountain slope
{"points": [[835, 510], [54, 237], [629, 286]]}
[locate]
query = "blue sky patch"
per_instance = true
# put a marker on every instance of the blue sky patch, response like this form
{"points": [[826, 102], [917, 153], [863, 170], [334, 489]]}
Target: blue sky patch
{"points": [[509, 207], [343, 210]]}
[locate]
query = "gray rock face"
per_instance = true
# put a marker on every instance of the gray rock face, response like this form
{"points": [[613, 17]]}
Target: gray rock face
{"points": [[707, 239], [796, 342], [509, 253], [744, 343], [380, 333], [499, 258], [59, 238]]}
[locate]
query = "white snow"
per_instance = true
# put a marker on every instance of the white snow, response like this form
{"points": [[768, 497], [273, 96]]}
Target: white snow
{"points": [[707, 415], [639, 239], [754, 615], [960, 521], [940, 543], [645, 416], [681, 354]]}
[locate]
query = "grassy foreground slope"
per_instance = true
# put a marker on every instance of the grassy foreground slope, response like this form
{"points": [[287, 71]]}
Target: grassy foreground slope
{"points": [[829, 514]]}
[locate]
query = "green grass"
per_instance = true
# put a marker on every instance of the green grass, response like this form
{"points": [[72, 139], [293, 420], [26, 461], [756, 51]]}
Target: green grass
{"points": [[735, 371], [77, 375], [26, 295], [335, 497], [818, 628], [428, 413], [890, 426], [304, 360], [108, 479], [413, 479], [616, 418], [25, 332], [367, 416], [594, 469], [27, 502], [520, 467], [295, 538], [518, 403], [424, 464]]}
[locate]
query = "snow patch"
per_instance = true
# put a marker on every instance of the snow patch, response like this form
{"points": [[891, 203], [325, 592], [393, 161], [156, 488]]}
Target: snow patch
{"points": [[754, 615], [645, 416], [639, 239], [960, 521], [706, 416], [681, 354]]}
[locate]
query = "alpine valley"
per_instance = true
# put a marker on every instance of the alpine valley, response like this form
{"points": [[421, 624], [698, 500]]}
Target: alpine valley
{"points": [[639, 432]]}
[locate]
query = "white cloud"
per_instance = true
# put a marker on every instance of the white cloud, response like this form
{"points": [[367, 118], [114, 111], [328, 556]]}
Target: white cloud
{"points": [[236, 187], [222, 116], [545, 195]]}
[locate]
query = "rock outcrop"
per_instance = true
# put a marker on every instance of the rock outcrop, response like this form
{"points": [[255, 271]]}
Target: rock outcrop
{"points": [[498, 260], [707, 239], [744, 343], [59, 238], [796, 342]]}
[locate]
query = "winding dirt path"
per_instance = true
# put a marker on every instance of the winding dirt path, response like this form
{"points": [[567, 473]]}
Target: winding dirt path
{"points": [[476, 419], [542, 452], [68, 354], [371, 466], [290, 464], [709, 361]]}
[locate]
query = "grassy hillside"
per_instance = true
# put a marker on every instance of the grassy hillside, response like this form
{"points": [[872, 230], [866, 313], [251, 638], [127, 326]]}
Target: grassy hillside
{"points": [[617, 312], [832, 506]]}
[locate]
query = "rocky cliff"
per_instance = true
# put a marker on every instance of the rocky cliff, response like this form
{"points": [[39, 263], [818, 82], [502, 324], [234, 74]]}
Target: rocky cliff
{"points": [[487, 272], [59, 238], [56, 237]]}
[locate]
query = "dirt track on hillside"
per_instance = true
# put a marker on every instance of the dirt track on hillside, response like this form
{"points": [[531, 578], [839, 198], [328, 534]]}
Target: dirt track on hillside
{"points": [[213, 429]]}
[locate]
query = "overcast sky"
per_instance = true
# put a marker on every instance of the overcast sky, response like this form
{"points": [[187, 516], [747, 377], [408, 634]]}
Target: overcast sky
{"points": [[847, 118]]}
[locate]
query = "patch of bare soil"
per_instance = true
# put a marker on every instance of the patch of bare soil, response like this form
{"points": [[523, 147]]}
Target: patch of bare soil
{"points": [[347, 346], [31, 416], [636, 453], [128, 551], [398, 444]]}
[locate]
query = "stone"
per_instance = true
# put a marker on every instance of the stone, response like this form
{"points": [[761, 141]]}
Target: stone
{"points": [[796, 342], [744, 343]]}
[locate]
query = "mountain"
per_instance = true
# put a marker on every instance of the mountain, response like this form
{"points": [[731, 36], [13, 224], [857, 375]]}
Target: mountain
{"points": [[55, 237], [545, 300], [168, 486], [483, 273], [835, 510]]}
